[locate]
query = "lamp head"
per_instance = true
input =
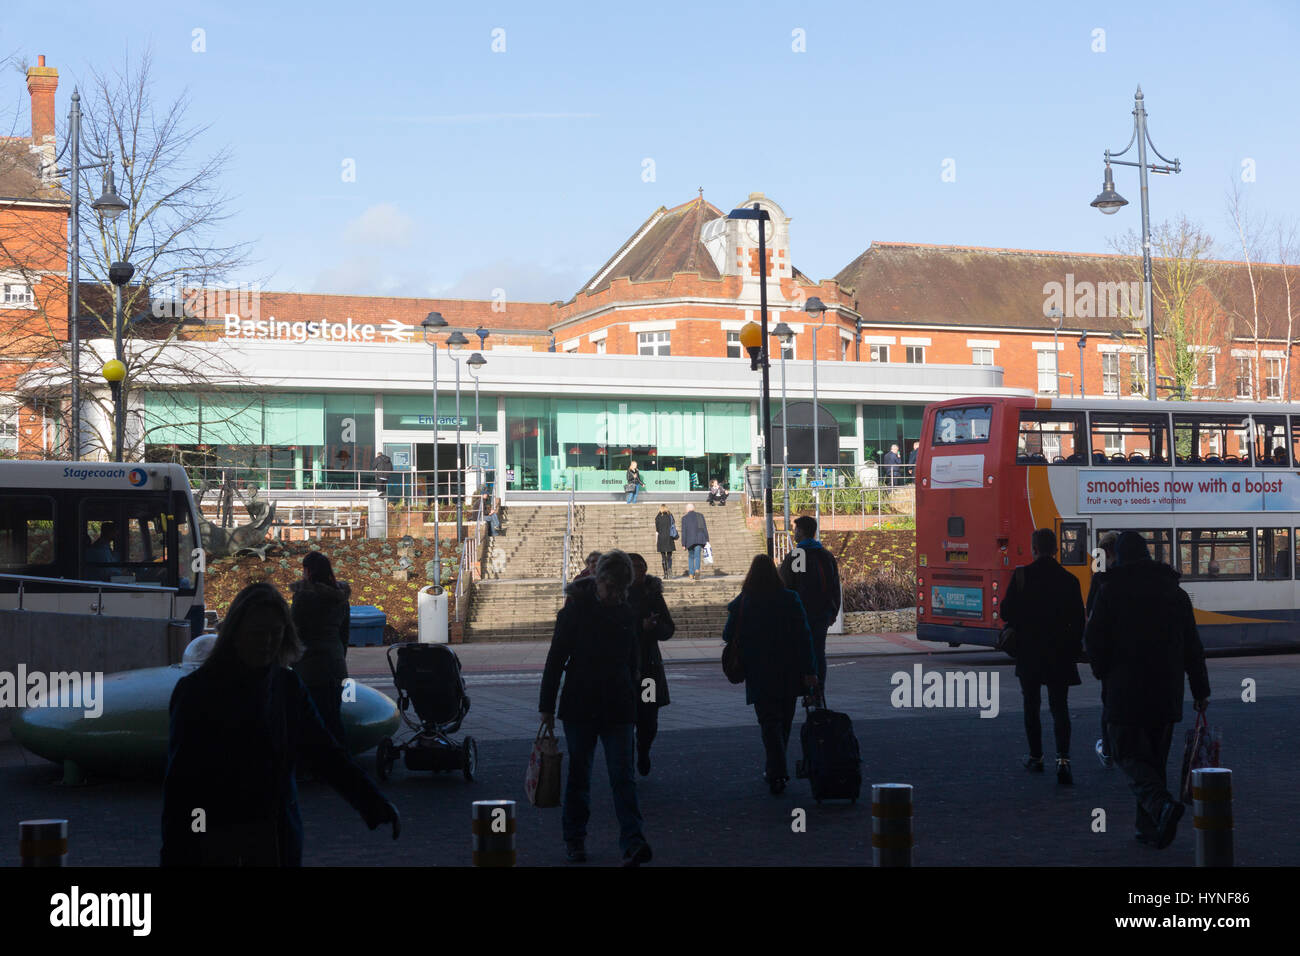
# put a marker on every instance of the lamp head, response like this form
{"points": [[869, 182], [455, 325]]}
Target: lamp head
{"points": [[751, 337], [433, 322], [783, 332], [110, 205], [815, 307], [114, 371], [119, 273], [476, 361], [457, 340], [1109, 201]]}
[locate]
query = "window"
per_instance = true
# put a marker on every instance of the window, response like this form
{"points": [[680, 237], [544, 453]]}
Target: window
{"points": [[126, 541], [1074, 544], [914, 354], [1199, 438], [965, 425], [1214, 554], [600, 346], [787, 350], [8, 426], [1273, 378], [1159, 541], [844, 350], [1270, 442], [18, 293], [1046, 372], [1138, 373], [981, 356], [1130, 438], [1050, 438], [880, 353], [733, 345], [1273, 553], [26, 534], [1205, 377], [1243, 376], [653, 343], [1110, 373]]}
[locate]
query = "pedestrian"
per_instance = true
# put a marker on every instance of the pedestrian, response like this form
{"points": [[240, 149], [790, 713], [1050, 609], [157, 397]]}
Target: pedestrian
{"points": [[493, 518], [911, 461], [1141, 639], [654, 624], [1044, 604], [239, 725], [1106, 543], [382, 466], [777, 653], [717, 494], [695, 535], [812, 572], [633, 484], [322, 617], [589, 566], [892, 464], [595, 650], [665, 537]]}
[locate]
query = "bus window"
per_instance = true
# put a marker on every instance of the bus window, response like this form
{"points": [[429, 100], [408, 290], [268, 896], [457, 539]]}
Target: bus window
{"points": [[1160, 541], [1212, 440], [1130, 438], [186, 544], [1270, 442], [1273, 553], [964, 425], [1074, 543], [27, 535], [125, 540], [1214, 554], [1050, 438]]}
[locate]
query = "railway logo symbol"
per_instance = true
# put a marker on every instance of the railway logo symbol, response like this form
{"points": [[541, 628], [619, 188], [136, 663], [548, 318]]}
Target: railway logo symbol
{"points": [[137, 477]]}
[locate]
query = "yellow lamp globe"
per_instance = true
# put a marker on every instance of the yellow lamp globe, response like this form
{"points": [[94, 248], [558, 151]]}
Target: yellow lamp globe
{"points": [[751, 336], [114, 371]]}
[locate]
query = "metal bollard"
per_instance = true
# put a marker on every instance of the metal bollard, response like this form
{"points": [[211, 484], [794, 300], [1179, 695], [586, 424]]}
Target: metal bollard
{"points": [[891, 824], [1212, 816], [493, 826], [43, 842]]}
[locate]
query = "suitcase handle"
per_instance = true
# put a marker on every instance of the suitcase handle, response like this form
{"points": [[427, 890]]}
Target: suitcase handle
{"points": [[815, 700]]}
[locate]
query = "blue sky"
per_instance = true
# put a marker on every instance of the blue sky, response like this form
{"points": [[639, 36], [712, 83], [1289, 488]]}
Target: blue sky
{"points": [[524, 169]]}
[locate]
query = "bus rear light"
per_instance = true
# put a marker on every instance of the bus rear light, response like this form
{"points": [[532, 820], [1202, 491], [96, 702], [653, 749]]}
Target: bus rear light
{"points": [[995, 600], [995, 615], [995, 585], [990, 479]]}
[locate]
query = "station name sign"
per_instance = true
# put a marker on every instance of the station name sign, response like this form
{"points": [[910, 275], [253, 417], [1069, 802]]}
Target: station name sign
{"points": [[321, 330], [1238, 490]]}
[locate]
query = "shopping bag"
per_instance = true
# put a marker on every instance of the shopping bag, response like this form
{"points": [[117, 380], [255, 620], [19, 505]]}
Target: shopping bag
{"points": [[1200, 751], [708, 553], [545, 767]]}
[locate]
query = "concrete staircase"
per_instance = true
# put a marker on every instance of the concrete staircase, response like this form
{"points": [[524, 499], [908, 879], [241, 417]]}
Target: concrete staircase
{"points": [[519, 596]]}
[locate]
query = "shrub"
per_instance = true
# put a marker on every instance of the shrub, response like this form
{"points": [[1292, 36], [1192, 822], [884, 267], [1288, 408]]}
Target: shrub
{"points": [[886, 589]]}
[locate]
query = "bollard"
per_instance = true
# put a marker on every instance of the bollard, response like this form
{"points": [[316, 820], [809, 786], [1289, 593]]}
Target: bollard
{"points": [[891, 824], [1212, 816], [43, 842], [493, 826]]}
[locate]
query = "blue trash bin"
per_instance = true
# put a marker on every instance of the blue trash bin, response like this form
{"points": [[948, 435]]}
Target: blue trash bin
{"points": [[367, 627]]}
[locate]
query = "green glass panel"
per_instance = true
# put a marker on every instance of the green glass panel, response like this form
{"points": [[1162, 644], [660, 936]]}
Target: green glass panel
{"points": [[232, 419], [846, 416], [293, 419], [726, 427], [171, 418]]}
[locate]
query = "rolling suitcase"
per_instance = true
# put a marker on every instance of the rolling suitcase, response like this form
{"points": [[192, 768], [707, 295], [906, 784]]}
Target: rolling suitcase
{"points": [[831, 761]]}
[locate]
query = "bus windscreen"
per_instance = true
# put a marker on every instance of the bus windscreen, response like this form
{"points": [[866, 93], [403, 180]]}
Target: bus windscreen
{"points": [[962, 425]]}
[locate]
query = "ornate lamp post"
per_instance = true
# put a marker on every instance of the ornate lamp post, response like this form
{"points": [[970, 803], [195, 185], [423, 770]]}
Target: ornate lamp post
{"points": [[433, 324], [784, 333]]}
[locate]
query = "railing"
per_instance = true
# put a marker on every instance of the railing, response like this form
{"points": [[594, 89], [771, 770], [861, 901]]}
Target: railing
{"points": [[410, 487], [568, 536], [783, 545], [468, 558], [98, 586], [841, 508]]}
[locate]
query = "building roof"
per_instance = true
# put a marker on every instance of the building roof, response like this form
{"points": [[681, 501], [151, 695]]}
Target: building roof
{"points": [[666, 243], [20, 176], [971, 286]]}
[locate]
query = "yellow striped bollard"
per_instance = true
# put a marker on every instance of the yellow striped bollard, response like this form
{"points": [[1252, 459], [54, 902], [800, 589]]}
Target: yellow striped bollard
{"points": [[891, 824], [43, 842], [493, 826], [1212, 815]]}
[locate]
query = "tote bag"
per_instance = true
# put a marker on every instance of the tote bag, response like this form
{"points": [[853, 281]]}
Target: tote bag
{"points": [[545, 767]]}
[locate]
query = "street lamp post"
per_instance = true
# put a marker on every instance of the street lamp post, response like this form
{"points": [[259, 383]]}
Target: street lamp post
{"points": [[756, 345], [1083, 344], [816, 310], [476, 362], [119, 273], [1109, 202], [784, 333], [432, 324], [454, 343], [1057, 317]]}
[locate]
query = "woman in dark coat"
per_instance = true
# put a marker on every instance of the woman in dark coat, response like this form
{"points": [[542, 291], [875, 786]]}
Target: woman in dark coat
{"points": [[777, 651], [653, 624], [239, 724], [664, 542], [322, 618], [634, 482]]}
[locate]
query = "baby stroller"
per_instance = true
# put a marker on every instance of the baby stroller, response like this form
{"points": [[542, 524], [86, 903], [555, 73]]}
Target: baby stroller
{"points": [[427, 677]]}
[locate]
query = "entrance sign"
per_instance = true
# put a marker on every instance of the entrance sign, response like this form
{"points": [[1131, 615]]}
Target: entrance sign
{"points": [[319, 331], [1187, 490]]}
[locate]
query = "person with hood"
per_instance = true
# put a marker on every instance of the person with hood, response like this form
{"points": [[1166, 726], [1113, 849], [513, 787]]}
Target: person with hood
{"points": [[594, 649], [777, 653], [695, 535], [1141, 640], [1044, 604], [1106, 543], [239, 725], [812, 571], [654, 624], [665, 542], [322, 617]]}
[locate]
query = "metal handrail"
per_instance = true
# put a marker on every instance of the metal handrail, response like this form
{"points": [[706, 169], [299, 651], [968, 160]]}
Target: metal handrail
{"points": [[98, 586], [568, 535], [468, 555]]}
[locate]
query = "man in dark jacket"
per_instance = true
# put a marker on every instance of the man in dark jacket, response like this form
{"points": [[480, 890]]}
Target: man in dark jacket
{"points": [[911, 461], [382, 466], [812, 572], [1044, 604], [695, 535], [1107, 545], [1141, 639], [323, 617], [892, 463], [653, 624], [595, 650]]}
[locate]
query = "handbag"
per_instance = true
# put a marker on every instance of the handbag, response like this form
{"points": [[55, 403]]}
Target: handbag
{"points": [[545, 768], [732, 664], [629, 487], [672, 527], [1007, 636], [1200, 751], [708, 553]]}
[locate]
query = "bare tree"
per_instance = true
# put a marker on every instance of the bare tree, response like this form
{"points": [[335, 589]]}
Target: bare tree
{"points": [[169, 234], [1248, 230], [1286, 253]]}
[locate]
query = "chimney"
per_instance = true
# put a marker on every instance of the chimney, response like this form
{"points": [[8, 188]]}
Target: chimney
{"points": [[42, 81]]}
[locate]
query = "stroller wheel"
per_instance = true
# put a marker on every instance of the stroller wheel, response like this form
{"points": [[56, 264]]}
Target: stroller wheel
{"points": [[385, 756], [469, 750]]}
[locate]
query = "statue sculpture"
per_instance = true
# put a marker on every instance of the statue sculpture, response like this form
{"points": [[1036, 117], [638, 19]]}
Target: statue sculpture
{"points": [[226, 539]]}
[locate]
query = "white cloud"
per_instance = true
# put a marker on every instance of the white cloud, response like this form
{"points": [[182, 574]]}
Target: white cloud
{"points": [[522, 282], [381, 225]]}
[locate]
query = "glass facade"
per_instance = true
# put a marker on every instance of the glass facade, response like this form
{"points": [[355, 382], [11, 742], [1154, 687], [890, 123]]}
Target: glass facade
{"points": [[885, 425], [415, 412]]}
